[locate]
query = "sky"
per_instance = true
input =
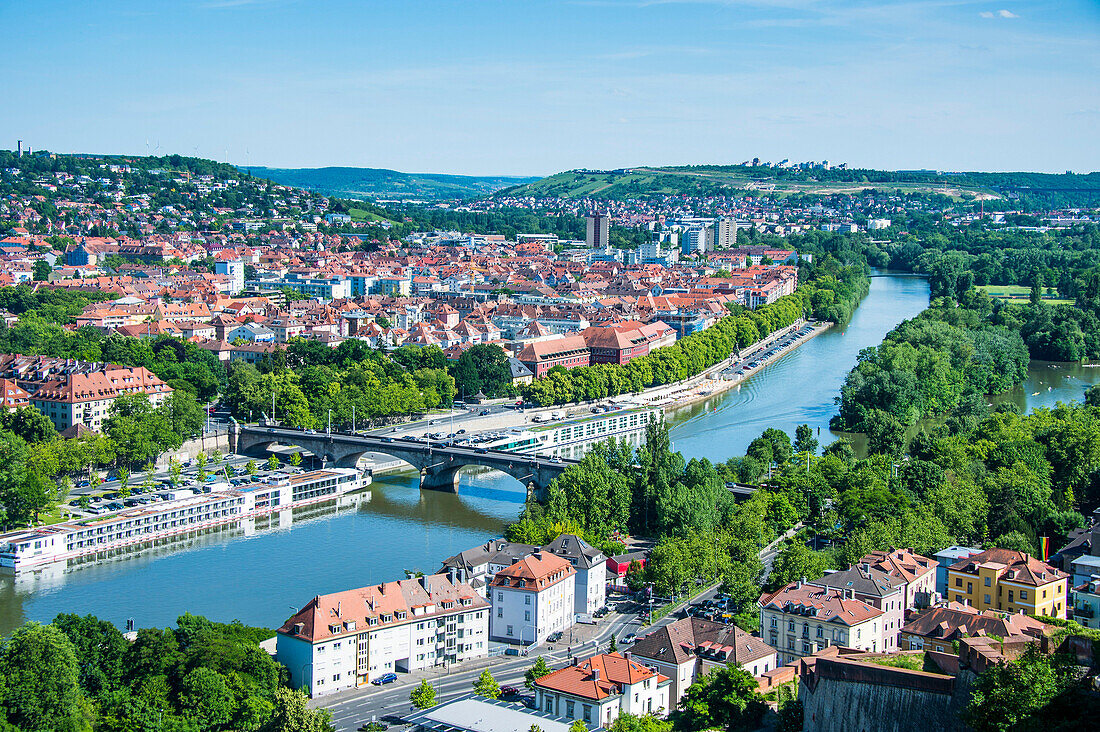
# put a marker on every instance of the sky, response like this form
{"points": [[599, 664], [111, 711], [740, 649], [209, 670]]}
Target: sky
{"points": [[533, 87]]}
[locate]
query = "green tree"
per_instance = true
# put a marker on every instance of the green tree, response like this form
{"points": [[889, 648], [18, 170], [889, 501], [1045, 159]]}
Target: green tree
{"points": [[536, 672], [578, 726], [207, 698], [627, 722], [174, 470], [796, 561], [726, 697], [591, 494], [42, 270], [295, 458], [423, 696], [100, 649], [292, 714], [272, 462], [250, 467], [487, 686], [1014, 695], [40, 681], [804, 440]]}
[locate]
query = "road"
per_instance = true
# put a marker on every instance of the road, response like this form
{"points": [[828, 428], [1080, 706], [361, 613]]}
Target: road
{"points": [[354, 708]]}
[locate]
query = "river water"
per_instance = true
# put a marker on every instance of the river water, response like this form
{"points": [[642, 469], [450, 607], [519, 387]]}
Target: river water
{"points": [[261, 577]]}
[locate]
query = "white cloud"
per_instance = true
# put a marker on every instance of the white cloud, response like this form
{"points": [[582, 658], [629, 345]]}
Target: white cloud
{"points": [[1007, 14], [986, 14]]}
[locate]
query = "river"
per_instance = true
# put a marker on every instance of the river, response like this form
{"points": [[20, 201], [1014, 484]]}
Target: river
{"points": [[262, 578]]}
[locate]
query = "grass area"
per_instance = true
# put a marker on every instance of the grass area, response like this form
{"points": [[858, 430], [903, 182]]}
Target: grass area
{"points": [[359, 214], [910, 661], [1019, 292]]}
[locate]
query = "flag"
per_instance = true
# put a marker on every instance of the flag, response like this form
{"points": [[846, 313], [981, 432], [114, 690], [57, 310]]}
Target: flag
{"points": [[1044, 547]]}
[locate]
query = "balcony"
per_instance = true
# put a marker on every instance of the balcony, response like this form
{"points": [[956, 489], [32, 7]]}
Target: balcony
{"points": [[1084, 611]]}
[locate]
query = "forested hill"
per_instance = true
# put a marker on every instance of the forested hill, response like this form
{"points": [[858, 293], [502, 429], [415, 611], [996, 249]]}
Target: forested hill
{"points": [[381, 183], [643, 182]]}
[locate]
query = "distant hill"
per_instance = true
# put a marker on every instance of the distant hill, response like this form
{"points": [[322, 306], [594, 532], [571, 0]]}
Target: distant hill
{"points": [[643, 183], [378, 183]]}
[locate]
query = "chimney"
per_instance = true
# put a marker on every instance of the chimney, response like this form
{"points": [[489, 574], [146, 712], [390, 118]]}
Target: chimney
{"points": [[800, 581], [595, 674], [537, 554], [865, 569], [575, 660], [424, 584], [626, 655]]}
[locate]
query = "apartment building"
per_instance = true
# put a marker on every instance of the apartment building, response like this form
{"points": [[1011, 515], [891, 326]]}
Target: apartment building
{"points": [[532, 599], [590, 581], [800, 619], [598, 689], [72, 392], [1009, 580], [478, 566], [346, 639], [690, 648], [918, 573], [879, 590]]}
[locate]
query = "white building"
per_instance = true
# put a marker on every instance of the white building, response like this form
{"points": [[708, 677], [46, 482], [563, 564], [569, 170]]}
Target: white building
{"points": [[232, 266], [599, 689], [346, 639], [590, 582], [799, 620], [532, 599]]}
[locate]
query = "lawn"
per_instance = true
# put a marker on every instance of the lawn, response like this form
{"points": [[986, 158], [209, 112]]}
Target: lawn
{"points": [[1019, 292], [359, 214]]}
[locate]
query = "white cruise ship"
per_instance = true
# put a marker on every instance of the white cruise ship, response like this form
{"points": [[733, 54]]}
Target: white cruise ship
{"points": [[27, 548]]}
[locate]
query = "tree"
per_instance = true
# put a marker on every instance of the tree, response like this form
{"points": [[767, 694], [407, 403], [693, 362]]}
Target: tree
{"points": [[174, 470], [795, 562], [591, 494], [272, 462], [726, 697], [42, 270], [295, 458], [40, 681], [250, 467], [627, 722], [535, 673], [100, 649], [578, 726], [292, 714], [207, 698], [486, 685], [423, 696], [804, 440], [1013, 695]]}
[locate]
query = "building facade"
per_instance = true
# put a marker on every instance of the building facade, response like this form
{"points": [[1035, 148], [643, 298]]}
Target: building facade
{"points": [[1009, 580], [598, 689], [800, 619], [346, 639], [532, 599]]}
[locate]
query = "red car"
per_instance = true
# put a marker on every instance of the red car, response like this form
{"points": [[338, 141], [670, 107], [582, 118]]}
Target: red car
{"points": [[509, 691]]}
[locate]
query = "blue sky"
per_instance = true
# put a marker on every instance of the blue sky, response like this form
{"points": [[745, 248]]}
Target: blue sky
{"points": [[534, 87]]}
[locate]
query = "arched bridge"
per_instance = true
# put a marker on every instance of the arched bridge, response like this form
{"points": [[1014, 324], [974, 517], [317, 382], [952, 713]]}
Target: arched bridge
{"points": [[439, 466]]}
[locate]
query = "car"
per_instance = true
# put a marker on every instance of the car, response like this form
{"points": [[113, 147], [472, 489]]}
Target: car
{"points": [[460, 432], [83, 484], [511, 651], [601, 612], [629, 638], [483, 412], [555, 459], [509, 692], [554, 637], [481, 450], [385, 679], [311, 431]]}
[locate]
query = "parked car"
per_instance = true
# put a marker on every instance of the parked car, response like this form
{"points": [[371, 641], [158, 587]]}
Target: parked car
{"points": [[483, 412], [554, 637], [511, 651], [509, 692], [385, 679]]}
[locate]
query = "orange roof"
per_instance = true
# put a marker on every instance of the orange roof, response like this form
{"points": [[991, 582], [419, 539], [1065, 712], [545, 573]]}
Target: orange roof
{"points": [[536, 571], [598, 677]]}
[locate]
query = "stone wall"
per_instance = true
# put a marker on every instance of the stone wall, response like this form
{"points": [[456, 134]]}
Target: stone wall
{"points": [[845, 696], [207, 443]]}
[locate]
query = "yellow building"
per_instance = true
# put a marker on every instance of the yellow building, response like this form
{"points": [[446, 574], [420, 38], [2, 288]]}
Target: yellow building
{"points": [[1008, 580]]}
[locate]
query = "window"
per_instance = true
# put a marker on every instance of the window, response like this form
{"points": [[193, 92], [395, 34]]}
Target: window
{"points": [[820, 632], [969, 587], [988, 581], [500, 597], [509, 630], [1010, 595], [569, 709], [500, 612], [988, 600], [587, 713], [1023, 594], [549, 705], [527, 615], [958, 581], [773, 622], [527, 600]]}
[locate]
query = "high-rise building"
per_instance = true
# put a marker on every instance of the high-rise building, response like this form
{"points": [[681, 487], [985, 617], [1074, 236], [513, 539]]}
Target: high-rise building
{"points": [[725, 233], [599, 225]]}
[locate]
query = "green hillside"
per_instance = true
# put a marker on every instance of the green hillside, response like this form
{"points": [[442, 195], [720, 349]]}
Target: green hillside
{"points": [[378, 183], [1060, 189]]}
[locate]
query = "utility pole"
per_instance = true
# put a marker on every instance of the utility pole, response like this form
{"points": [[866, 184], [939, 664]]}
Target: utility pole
{"points": [[353, 419]]}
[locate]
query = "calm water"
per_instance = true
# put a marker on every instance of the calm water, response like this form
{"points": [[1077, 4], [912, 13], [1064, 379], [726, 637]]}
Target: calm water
{"points": [[263, 577]]}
